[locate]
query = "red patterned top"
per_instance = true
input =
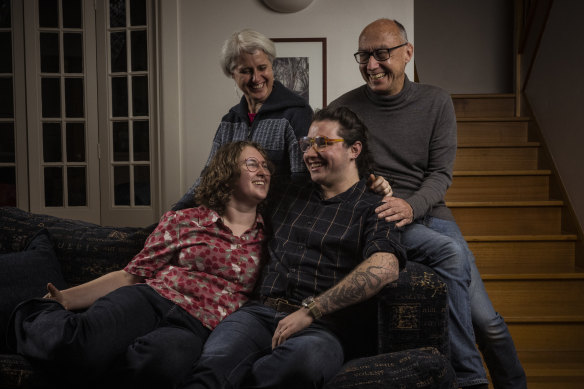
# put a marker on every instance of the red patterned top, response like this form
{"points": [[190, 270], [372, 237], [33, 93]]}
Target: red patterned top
{"points": [[194, 260]]}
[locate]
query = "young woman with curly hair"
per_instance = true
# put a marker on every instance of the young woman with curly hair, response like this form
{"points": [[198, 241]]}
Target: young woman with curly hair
{"points": [[145, 325]]}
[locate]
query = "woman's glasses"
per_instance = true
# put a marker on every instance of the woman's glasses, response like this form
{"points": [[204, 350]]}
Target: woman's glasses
{"points": [[252, 165], [320, 142]]}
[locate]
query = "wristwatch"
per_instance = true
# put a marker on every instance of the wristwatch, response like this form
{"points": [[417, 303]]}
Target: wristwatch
{"points": [[310, 304]]}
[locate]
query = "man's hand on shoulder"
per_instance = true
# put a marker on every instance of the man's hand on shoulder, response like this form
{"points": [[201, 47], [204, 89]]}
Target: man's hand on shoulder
{"points": [[396, 210]]}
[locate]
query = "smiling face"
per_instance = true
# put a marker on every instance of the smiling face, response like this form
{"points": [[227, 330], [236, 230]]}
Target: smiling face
{"points": [[334, 167], [253, 74], [384, 77], [251, 188]]}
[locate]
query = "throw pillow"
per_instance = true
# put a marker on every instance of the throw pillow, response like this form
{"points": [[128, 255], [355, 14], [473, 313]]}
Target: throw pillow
{"points": [[25, 275]]}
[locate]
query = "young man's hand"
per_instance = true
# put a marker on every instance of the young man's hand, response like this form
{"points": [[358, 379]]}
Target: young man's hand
{"points": [[379, 185], [291, 324]]}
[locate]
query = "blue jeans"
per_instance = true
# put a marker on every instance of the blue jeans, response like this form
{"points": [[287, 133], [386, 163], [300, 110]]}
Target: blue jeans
{"points": [[239, 353], [132, 335], [439, 244]]}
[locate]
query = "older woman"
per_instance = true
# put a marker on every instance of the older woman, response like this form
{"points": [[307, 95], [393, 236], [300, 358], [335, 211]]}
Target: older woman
{"points": [[145, 325], [268, 113]]}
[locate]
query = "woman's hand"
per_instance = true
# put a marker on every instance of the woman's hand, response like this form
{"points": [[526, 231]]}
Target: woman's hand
{"points": [[291, 324], [379, 185], [56, 294]]}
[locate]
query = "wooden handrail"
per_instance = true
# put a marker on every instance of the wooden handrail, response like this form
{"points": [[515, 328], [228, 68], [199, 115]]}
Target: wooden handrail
{"points": [[530, 21]]}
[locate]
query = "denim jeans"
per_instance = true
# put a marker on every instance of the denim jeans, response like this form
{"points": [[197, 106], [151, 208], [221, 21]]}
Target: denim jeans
{"points": [[440, 244], [239, 353], [132, 335]]}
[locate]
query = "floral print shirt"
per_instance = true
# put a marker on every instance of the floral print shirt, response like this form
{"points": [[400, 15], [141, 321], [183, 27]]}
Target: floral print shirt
{"points": [[193, 259]]}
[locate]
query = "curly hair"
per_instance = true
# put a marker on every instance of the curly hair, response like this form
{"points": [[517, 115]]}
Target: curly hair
{"points": [[216, 186]]}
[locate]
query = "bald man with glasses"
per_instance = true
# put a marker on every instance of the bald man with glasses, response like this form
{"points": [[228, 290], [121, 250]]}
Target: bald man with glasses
{"points": [[413, 144]]}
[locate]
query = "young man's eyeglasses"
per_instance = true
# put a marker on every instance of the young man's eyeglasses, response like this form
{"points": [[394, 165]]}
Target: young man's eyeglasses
{"points": [[321, 142], [362, 57], [252, 165]]}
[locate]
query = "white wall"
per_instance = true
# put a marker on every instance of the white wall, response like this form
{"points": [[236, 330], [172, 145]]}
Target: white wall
{"points": [[196, 94], [556, 94]]}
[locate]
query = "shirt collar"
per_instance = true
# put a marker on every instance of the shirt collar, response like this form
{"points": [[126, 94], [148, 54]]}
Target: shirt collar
{"points": [[347, 195], [212, 217]]}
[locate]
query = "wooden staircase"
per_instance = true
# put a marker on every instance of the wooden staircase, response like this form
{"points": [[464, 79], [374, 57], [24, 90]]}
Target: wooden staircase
{"points": [[520, 234]]}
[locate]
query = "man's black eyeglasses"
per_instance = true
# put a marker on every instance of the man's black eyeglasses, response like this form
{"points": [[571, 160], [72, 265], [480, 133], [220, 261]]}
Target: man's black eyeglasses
{"points": [[362, 57]]}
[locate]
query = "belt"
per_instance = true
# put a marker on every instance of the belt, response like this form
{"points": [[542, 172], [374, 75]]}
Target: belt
{"points": [[280, 305]]}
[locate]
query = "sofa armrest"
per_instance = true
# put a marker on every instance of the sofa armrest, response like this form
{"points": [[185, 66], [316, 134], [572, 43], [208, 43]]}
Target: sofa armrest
{"points": [[413, 312]]}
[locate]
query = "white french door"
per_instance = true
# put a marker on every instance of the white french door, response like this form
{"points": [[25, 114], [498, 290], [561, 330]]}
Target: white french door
{"points": [[83, 121]]}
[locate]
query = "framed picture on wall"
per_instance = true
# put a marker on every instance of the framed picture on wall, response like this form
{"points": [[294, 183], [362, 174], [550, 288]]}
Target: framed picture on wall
{"points": [[301, 66]]}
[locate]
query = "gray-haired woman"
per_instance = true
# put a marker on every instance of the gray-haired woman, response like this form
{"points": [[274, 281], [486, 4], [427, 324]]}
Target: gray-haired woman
{"points": [[268, 113]]}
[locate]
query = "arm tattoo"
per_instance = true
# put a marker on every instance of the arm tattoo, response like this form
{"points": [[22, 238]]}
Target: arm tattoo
{"points": [[362, 283]]}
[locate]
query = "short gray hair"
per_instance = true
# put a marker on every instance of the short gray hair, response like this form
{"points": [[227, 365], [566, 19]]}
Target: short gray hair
{"points": [[244, 41]]}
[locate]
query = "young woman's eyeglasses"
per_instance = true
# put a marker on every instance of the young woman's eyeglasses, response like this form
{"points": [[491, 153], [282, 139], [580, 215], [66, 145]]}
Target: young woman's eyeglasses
{"points": [[362, 57], [320, 142], [252, 165]]}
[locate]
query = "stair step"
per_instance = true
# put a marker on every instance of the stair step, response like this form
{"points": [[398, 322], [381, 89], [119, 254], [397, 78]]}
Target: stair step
{"points": [[550, 369], [492, 130], [544, 319], [574, 275], [508, 218], [497, 158], [510, 238], [489, 185], [546, 375], [490, 145], [551, 357], [495, 105], [523, 254], [537, 337], [537, 295]]}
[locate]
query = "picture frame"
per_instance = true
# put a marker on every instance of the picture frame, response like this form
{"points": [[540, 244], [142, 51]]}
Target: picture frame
{"points": [[301, 66]]}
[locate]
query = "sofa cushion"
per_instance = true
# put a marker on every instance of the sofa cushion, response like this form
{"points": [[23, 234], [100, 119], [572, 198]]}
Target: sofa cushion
{"points": [[85, 250], [25, 274], [421, 368]]}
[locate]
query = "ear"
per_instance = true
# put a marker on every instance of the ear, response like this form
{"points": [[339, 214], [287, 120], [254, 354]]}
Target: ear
{"points": [[409, 52], [355, 149]]}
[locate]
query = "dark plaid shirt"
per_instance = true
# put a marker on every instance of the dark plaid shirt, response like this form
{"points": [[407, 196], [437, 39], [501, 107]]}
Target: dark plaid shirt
{"points": [[317, 242]]}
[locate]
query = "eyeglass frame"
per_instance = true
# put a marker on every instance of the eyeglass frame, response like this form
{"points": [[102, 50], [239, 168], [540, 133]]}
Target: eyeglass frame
{"points": [[313, 143], [265, 165], [375, 55]]}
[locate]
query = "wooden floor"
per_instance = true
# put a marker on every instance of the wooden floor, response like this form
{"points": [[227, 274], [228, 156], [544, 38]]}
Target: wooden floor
{"points": [[521, 237]]}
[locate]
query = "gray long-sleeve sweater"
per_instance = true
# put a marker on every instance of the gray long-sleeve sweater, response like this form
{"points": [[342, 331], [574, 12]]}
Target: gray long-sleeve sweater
{"points": [[412, 137]]}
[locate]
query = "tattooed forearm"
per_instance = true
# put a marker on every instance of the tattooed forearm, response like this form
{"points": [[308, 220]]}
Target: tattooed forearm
{"points": [[363, 282]]}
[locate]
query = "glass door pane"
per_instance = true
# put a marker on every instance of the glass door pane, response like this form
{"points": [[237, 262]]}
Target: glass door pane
{"points": [[8, 189], [63, 103], [126, 100], [62, 108], [130, 112]]}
